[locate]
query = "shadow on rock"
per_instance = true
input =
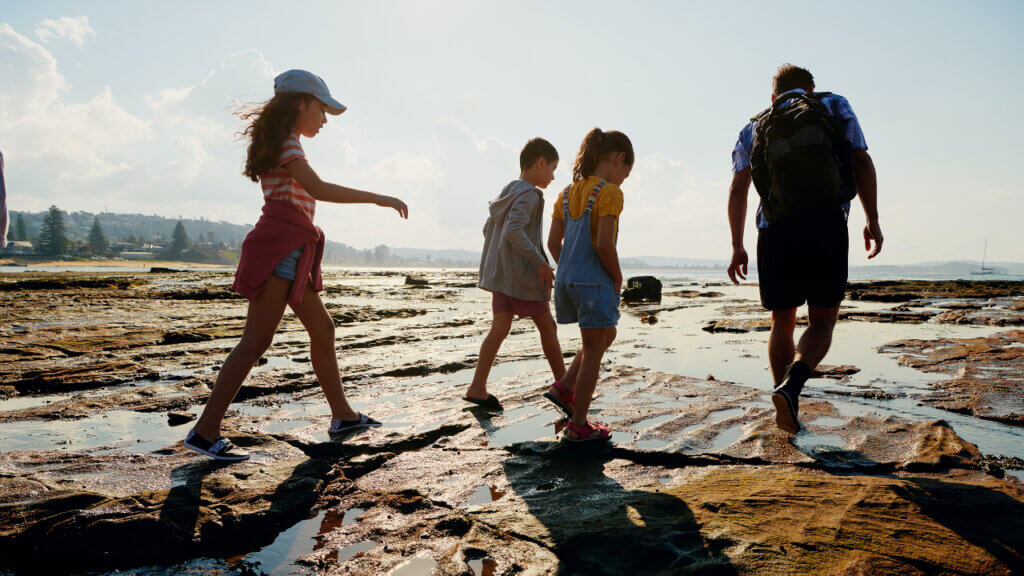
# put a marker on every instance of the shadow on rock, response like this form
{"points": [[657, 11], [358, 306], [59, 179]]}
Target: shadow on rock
{"points": [[592, 523], [986, 518]]}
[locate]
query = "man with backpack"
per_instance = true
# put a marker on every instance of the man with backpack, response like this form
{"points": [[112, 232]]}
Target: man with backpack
{"points": [[807, 157]]}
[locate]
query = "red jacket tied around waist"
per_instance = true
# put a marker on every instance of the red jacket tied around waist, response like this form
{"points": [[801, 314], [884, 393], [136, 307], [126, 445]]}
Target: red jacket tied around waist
{"points": [[280, 230]]}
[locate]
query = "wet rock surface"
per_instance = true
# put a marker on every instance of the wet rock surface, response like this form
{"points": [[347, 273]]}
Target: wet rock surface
{"points": [[103, 374], [986, 373]]}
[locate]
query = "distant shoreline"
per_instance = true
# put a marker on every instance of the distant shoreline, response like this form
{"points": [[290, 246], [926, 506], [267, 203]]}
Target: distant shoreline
{"points": [[108, 263]]}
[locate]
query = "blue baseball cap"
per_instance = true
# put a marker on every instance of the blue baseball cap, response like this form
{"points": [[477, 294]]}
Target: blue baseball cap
{"points": [[305, 82]]}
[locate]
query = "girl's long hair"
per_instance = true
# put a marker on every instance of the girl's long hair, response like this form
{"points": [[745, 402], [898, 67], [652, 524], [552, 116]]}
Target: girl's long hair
{"points": [[596, 145], [268, 125]]}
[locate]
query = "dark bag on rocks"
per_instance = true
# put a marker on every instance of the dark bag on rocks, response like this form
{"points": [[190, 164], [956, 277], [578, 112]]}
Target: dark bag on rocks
{"points": [[800, 162], [641, 289]]}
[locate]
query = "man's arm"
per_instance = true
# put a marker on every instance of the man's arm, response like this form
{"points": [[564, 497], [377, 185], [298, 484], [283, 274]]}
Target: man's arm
{"points": [[737, 215], [867, 189]]}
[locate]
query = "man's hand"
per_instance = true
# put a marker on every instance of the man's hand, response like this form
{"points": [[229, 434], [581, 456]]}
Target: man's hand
{"points": [[738, 266], [872, 231], [398, 205], [618, 284], [547, 275]]}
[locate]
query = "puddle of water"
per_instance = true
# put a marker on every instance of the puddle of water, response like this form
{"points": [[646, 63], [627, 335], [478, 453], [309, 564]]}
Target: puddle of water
{"points": [[483, 567], [279, 426], [347, 552], [827, 421], [23, 402], [652, 444], [483, 495], [713, 416], [653, 422], [727, 437], [277, 558], [622, 436], [133, 432], [523, 431], [352, 515], [810, 442], [419, 566]]}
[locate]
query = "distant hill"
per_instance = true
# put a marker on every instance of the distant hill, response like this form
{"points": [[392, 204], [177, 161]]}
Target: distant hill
{"points": [[141, 226]]}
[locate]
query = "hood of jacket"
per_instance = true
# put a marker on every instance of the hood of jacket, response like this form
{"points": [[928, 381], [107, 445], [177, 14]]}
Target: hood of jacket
{"points": [[500, 206]]}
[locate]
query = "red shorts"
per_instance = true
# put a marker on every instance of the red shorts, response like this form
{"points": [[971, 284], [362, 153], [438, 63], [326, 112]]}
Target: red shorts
{"points": [[522, 308]]}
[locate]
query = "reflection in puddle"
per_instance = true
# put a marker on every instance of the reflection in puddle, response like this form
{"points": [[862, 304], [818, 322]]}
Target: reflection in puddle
{"points": [[277, 558], [483, 567], [810, 442], [483, 495], [133, 432]]}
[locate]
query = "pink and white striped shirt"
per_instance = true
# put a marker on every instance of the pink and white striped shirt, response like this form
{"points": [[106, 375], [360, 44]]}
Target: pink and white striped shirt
{"points": [[278, 185]]}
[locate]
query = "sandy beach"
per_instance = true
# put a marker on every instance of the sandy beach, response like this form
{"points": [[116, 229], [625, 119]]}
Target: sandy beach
{"points": [[912, 460]]}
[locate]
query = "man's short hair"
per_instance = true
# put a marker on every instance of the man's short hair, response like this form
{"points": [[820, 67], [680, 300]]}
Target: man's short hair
{"points": [[791, 77], [534, 150]]}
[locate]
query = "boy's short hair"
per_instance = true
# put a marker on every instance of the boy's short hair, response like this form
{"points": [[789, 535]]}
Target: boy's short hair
{"points": [[791, 77], [534, 150]]}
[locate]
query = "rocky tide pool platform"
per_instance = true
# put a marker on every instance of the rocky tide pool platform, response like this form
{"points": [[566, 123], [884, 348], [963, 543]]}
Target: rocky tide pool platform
{"points": [[911, 462]]}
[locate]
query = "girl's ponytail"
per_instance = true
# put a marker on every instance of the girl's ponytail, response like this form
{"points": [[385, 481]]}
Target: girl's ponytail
{"points": [[596, 145]]}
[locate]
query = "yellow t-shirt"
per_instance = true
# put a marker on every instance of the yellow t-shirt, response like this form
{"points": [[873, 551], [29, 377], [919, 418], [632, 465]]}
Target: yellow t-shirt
{"points": [[609, 203]]}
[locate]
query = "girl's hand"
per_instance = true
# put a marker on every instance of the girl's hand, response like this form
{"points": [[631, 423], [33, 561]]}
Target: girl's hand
{"points": [[398, 205]]}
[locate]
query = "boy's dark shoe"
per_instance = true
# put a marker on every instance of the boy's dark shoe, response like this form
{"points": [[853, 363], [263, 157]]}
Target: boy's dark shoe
{"points": [[221, 449], [786, 397]]}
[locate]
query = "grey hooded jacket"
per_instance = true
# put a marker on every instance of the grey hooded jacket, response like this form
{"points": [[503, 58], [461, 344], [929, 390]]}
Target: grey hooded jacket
{"points": [[512, 244]]}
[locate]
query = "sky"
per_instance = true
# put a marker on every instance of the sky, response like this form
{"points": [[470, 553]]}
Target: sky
{"points": [[127, 107]]}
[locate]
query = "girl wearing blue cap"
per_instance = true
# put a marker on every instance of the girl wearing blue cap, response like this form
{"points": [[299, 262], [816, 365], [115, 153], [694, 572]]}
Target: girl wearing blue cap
{"points": [[280, 260]]}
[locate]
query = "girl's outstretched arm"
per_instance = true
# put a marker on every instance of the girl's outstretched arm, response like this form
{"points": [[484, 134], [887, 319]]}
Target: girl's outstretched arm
{"points": [[301, 171]]}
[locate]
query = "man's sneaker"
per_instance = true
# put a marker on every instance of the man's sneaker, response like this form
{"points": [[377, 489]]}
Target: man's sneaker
{"points": [[786, 397], [339, 426], [221, 449]]}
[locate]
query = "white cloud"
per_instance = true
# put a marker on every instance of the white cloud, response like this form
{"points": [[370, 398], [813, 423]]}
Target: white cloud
{"points": [[76, 29]]}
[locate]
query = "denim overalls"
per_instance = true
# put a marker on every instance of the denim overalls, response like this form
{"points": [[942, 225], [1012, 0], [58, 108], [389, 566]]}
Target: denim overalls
{"points": [[583, 289]]}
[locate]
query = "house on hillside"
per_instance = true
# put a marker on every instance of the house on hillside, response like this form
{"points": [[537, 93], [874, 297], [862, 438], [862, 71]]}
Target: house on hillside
{"points": [[18, 248]]}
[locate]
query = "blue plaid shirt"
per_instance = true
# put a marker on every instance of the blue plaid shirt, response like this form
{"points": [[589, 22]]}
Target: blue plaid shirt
{"points": [[836, 104]]}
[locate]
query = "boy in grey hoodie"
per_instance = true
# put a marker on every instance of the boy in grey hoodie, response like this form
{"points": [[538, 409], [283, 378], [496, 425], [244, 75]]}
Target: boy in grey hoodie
{"points": [[514, 268]]}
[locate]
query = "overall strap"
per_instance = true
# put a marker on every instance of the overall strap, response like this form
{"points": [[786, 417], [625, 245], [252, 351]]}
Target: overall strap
{"points": [[565, 202], [593, 197]]}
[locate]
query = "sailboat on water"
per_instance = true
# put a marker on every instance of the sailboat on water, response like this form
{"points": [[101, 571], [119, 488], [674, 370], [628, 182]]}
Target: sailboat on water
{"points": [[983, 271]]}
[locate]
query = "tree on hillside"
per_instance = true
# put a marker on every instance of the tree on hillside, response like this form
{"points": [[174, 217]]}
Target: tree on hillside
{"points": [[97, 239], [19, 228], [179, 240], [52, 238]]}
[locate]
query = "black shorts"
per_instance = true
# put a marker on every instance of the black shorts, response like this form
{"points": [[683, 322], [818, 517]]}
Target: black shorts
{"points": [[804, 261]]}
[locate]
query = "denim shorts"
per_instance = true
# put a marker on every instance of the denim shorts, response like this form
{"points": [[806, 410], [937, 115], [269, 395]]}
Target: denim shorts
{"points": [[591, 304], [286, 267]]}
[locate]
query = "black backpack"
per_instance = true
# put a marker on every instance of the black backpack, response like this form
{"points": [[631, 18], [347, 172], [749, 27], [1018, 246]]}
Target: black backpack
{"points": [[800, 161]]}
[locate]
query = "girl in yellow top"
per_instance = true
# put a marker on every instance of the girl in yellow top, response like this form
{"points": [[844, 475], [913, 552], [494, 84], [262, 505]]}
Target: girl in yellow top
{"points": [[584, 230]]}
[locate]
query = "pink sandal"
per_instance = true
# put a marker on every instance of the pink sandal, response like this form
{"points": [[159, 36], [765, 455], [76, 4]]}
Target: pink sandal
{"points": [[588, 432], [565, 399]]}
